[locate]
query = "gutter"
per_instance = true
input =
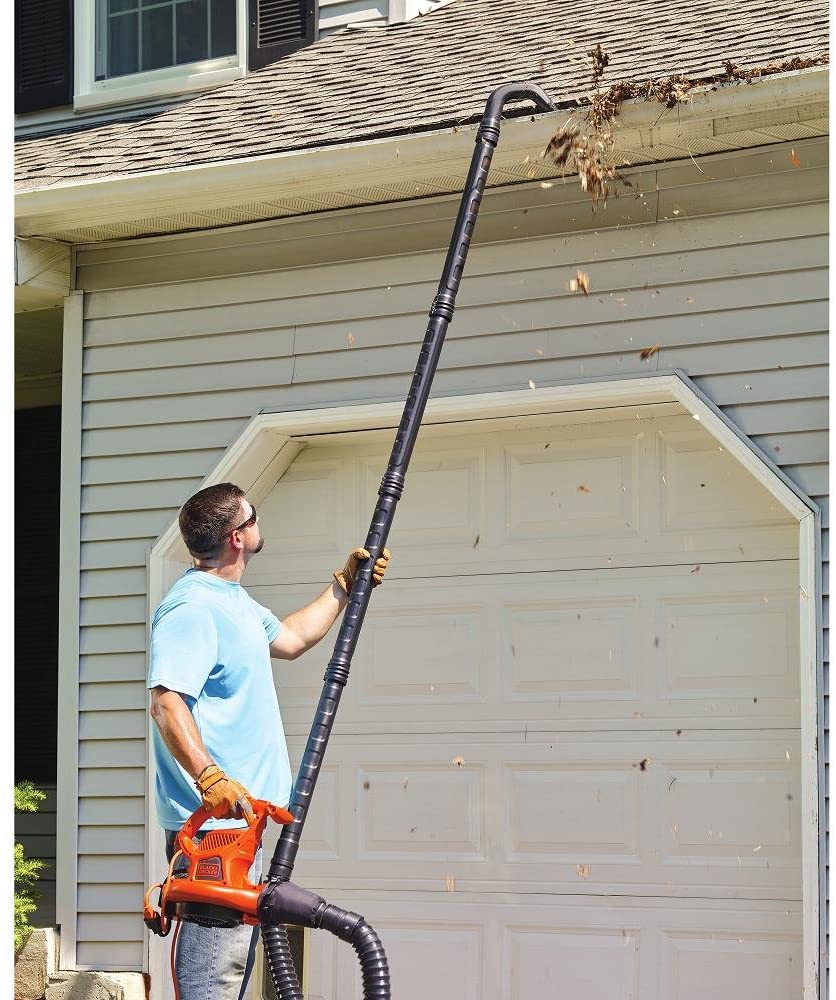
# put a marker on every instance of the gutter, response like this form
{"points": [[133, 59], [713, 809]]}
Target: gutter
{"points": [[147, 200]]}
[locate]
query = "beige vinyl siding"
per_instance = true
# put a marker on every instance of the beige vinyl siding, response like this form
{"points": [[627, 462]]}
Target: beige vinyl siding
{"points": [[337, 14], [187, 337]]}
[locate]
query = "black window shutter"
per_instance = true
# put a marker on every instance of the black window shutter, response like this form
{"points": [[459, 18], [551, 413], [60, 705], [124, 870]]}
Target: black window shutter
{"points": [[278, 27], [43, 54]]}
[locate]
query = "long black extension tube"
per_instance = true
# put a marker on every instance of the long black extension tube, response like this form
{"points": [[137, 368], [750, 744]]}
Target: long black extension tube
{"points": [[391, 489]]}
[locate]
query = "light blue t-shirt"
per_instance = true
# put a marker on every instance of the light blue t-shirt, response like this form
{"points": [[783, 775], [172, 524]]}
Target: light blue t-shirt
{"points": [[210, 641]]}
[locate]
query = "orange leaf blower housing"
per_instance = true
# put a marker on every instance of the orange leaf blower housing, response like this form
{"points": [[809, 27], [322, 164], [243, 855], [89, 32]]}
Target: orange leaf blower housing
{"points": [[218, 872]]}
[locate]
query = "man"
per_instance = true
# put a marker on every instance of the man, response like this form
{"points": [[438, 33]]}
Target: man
{"points": [[219, 735]]}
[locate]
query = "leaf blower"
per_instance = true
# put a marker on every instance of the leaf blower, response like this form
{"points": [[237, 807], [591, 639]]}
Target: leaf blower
{"points": [[215, 890]]}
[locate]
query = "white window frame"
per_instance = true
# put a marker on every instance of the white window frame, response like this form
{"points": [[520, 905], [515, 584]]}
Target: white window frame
{"points": [[88, 92]]}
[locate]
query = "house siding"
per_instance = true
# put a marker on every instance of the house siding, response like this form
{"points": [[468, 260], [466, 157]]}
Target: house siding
{"points": [[337, 14], [186, 337]]}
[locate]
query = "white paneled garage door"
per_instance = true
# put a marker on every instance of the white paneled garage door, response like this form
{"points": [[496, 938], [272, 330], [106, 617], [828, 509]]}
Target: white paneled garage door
{"points": [[566, 763]]}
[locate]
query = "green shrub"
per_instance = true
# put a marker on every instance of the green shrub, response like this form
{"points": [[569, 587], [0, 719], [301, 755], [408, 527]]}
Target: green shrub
{"points": [[27, 870]]}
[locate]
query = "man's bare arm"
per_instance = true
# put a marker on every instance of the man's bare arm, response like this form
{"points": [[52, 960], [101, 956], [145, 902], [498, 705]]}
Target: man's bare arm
{"points": [[305, 627], [178, 730]]}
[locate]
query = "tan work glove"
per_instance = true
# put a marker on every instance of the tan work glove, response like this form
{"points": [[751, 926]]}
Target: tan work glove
{"points": [[222, 796], [346, 576]]}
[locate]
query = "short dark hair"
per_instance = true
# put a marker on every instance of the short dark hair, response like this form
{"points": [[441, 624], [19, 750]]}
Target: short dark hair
{"points": [[208, 517]]}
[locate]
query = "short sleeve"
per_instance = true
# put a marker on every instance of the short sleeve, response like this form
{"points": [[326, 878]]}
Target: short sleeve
{"points": [[184, 649], [272, 625]]}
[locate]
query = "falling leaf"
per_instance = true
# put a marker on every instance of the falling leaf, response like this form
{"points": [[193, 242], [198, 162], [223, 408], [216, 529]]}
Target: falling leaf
{"points": [[755, 851], [531, 384], [748, 387], [450, 883], [366, 786], [600, 61], [405, 783], [696, 569], [458, 761], [546, 184], [794, 160], [676, 211], [539, 352], [581, 281], [476, 542], [648, 352], [583, 871], [351, 340], [584, 489], [691, 299], [804, 594]]}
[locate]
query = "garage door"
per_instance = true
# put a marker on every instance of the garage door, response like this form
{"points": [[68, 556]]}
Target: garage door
{"points": [[567, 760]]}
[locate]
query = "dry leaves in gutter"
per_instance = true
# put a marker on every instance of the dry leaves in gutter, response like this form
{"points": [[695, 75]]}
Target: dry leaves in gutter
{"points": [[590, 150]]}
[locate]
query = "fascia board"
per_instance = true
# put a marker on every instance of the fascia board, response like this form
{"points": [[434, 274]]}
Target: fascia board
{"points": [[405, 158]]}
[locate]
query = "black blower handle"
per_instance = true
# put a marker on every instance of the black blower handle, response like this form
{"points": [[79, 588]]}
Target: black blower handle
{"points": [[391, 487]]}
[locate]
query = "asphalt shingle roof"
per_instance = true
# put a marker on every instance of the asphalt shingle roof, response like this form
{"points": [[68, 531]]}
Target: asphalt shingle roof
{"points": [[432, 72]]}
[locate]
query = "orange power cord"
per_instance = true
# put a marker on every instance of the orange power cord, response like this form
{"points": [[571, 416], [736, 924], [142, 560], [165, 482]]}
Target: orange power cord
{"points": [[165, 921]]}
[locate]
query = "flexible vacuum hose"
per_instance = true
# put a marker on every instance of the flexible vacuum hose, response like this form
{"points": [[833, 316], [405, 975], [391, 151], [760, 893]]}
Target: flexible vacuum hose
{"points": [[281, 903], [362, 937], [280, 962]]}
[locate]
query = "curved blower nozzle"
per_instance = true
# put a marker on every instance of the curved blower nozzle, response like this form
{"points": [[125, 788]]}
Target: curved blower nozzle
{"points": [[524, 90]]}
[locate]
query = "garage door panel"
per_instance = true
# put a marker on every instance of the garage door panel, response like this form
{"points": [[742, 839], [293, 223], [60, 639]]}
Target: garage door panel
{"points": [[617, 648], [301, 518], [572, 488], [717, 965], [630, 949], [599, 964], [449, 483], [700, 487], [651, 815]]}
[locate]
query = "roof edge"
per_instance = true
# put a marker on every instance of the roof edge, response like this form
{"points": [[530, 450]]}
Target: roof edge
{"points": [[400, 159]]}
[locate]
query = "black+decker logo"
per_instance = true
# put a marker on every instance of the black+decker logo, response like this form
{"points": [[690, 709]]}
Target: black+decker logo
{"points": [[209, 869]]}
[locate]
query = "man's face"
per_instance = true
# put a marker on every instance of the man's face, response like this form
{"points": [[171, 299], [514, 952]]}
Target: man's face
{"points": [[249, 532]]}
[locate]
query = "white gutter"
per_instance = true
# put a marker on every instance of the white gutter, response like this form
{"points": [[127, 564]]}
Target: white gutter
{"points": [[711, 113]]}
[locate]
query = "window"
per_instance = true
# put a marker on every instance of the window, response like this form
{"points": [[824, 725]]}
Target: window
{"points": [[138, 50], [135, 36]]}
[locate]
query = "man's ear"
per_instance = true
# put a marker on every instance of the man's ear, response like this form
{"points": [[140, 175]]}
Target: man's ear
{"points": [[235, 541]]}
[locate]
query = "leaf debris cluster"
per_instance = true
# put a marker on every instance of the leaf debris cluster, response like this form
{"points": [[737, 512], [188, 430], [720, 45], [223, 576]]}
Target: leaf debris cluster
{"points": [[588, 148]]}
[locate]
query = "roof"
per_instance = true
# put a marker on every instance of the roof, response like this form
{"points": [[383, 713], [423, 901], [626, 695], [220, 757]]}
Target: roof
{"points": [[430, 73]]}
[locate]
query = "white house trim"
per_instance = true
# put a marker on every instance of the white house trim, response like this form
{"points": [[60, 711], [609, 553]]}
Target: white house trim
{"points": [[66, 850], [271, 440]]}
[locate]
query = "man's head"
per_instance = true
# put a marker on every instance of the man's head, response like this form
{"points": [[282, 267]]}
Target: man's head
{"points": [[219, 525]]}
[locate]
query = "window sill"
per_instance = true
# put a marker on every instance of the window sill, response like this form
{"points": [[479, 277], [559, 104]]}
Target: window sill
{"points": [[163, 84]]}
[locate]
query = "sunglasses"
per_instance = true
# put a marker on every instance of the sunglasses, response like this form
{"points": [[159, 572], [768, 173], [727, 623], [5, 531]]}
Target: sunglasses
{"points": [[250, 520]]}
